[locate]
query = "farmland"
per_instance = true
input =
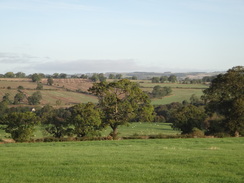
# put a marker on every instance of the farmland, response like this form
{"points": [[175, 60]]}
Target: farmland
{"points": [[162, 160], [68, 91], [74, 90]]}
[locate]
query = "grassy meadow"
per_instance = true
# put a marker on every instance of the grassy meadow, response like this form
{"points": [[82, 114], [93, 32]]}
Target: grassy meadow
{"points": [[180, 92], [162, 160]]}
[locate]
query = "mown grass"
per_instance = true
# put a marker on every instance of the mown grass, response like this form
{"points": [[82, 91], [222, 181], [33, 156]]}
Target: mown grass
{"points": [[164, 160]]}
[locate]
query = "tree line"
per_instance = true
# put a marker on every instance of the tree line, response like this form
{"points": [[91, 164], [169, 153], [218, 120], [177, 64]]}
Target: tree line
{"points": [[173, 79], [220, 111], [120, 102]]}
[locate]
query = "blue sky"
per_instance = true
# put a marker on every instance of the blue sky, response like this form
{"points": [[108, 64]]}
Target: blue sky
{"points": [[80, 36]]}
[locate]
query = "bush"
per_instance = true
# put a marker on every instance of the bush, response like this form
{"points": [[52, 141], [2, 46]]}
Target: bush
{"points": [[197, 133], [20, 87]]}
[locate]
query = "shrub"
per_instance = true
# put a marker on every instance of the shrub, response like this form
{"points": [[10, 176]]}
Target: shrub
{"points": [[20, 87], [197, 133]]}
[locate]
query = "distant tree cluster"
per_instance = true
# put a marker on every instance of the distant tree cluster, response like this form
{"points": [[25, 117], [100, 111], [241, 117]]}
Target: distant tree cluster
{"points": [[35, 77], [19, 98], [115, 76], [98, 77], [159, 91], [165, 79]]}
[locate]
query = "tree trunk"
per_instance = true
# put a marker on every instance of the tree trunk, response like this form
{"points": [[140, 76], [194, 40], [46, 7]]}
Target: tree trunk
{"points": [[115, 133]]}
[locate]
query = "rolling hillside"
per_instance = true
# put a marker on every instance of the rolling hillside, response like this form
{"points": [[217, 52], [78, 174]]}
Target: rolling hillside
{"points": [[63, 91], [66, 92]]}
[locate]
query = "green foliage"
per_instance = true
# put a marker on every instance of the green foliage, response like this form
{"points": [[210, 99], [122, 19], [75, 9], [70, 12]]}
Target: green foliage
{"points": [[36, 77], [164, 112], [3, 108], [20, 87], [6, 98], [83, 76], [118, 76], [159, 92], [20, 75], [120, 101], [86, 119], [35, 98], [98, 77], [19, 97], [9, 75], [20, 125], [39, 86], [195, 100], [164, 79], [155, 80], [197, 132], [172, 79], [225, 96], [94, 77], [56, 121], [50, 81], [62, 75], [111, 76], [189, 117]]}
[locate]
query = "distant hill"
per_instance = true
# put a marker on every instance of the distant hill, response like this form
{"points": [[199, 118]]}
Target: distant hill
{"points": [[149, 75]]}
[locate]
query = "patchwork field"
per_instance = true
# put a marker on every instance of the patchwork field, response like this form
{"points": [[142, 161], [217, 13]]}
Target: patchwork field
{"points": [[68, 91], [73, 90], [180, 92], [164, 160]]}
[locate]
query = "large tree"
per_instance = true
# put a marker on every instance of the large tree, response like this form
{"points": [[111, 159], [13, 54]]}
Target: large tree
{"points": [[56, 121], [86, 119], [189, 117], [225, 96], [121, 101], [20, 125]]}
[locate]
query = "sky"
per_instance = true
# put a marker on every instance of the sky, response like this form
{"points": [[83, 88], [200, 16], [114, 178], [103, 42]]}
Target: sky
{"points": [[86, 36]]}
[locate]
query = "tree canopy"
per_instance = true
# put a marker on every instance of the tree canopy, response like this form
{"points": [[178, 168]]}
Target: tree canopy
{"points": [[225, 96], [86, 119], [20, 125], [121, 101]]}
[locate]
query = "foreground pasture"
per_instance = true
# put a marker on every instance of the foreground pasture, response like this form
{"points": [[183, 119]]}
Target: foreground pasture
{"points": [[162, 160]]}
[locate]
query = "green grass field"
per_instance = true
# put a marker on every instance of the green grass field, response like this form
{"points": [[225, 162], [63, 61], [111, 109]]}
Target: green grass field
{"points": [[178, 95], [163, 160], [143, 128]]}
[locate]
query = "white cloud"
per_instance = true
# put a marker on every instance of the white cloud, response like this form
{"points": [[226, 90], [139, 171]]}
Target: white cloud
{"points": [[85, 66], [14, 58]]}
